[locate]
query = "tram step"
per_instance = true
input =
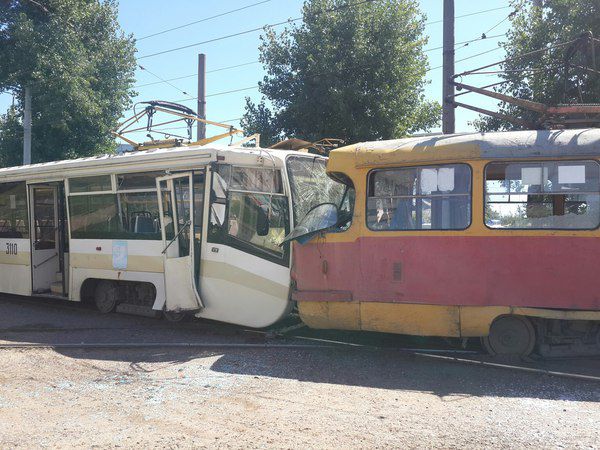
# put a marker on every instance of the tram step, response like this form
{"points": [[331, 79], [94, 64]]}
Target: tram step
{"points": [[137, 310], [56, 287]]}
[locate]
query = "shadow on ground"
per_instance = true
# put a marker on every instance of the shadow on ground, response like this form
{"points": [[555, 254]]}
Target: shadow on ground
{"points": [[50, 323]]}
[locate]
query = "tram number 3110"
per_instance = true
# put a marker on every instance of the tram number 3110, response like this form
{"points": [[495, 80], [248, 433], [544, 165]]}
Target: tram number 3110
{"points": [[11, 249]]}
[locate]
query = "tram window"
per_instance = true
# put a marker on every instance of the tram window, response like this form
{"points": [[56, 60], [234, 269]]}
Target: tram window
{"points": [[311, 186], [139, 214], [13, 210], [253, 179], [98, 183], [420, 198], [114, 216], [94, 216], [137, 181], [543, 195], [44, 219], [256, 180], [236, 212], [218, 204], [244, 217]]}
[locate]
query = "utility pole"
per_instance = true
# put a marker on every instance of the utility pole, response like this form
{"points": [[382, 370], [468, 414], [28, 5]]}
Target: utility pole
{"points": [[201, 95], [448, 120], [27, 128]]}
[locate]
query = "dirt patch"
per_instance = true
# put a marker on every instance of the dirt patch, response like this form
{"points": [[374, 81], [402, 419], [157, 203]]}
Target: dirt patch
{"points": [[257, 398]]}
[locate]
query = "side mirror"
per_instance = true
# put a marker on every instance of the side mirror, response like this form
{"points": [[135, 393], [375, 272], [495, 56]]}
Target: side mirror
{"points": [[262, 220]]}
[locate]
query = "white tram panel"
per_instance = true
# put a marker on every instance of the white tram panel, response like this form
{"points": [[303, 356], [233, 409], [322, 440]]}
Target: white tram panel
{"points": [[240, 288], [15, 266], [236, 286]]}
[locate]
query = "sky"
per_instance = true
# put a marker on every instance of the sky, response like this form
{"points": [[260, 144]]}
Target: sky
{"points": [[143, 18]]}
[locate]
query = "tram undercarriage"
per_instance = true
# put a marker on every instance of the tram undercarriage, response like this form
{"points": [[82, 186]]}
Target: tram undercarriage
{"points": [[558, 338]]}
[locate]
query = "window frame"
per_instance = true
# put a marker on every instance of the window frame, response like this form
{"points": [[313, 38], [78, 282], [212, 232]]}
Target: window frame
{"points": [[113, 191], [26, 234], [309, 156], [536, 161], [224, 238], [421, 166]]}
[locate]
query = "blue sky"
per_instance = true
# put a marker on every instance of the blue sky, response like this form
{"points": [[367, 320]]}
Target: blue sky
{"points": [[145, 17]]}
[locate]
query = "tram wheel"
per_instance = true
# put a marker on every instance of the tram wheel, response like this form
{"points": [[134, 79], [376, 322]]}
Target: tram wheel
{"points": [[175, 316], [510, 336], [105, 296]]}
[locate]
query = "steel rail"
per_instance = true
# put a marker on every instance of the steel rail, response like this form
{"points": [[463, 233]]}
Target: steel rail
{"points": [[426, 353], [329, 344], [129, 345]]}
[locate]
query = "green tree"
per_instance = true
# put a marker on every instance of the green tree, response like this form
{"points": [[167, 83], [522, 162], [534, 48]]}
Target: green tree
{"points": [[259, 119], [351, 70], [79, 66], [540, 76]]}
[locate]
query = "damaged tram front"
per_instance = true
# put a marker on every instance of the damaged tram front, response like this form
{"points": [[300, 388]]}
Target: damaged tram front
{"points": [[173, 232]]}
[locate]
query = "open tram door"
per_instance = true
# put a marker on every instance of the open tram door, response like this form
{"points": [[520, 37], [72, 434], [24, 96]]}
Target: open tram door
{"points": [[49, 250], [176, 207]]}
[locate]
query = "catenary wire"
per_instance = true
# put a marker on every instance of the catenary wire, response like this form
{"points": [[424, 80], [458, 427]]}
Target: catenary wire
{"points": [[464, 43], [469, 14], [255, 62], [196, 74], [206, 19], [253, 30], [163, 80]]}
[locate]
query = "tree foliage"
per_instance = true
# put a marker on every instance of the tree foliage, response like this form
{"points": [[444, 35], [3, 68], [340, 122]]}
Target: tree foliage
{"points": [[79, 65], [540, 76], [350, 70]]}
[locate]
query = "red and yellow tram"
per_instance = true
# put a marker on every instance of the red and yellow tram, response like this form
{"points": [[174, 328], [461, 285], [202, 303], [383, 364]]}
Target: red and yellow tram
{"points": [[479, 235]]}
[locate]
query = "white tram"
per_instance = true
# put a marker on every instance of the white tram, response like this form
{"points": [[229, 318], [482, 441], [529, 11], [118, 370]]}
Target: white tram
{"points": [[185, 230]]}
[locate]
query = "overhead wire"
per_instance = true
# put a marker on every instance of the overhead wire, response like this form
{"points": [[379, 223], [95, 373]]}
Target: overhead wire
{"points": [[427, 50], [229, 36], [470, 41], [206, 19], [467, 58], [253, 30], [163, 80], [469, 14], [255, 62], [512, 14], [479, 54], [183, 47], [168, 81], [464, 43], [216, 94], [196, 74]]}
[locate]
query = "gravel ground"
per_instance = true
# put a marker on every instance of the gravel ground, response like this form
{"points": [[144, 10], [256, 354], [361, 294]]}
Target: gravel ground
{"points": [[264, 397]]}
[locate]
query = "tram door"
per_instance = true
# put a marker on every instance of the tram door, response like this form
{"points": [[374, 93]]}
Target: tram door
{"points": [[45, 237], [177, 227]]}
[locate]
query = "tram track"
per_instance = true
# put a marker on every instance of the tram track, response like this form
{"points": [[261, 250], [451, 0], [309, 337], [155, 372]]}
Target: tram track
{"points": [[431, 354], [273, 339], [445, 355]]}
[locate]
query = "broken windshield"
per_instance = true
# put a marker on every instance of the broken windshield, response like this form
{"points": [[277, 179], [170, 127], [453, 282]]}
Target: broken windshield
{"points": [[311, 186]]}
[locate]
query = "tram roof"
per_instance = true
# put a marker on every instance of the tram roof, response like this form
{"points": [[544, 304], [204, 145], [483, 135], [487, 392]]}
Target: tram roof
{"points": [[497, 145], [174, 158]]}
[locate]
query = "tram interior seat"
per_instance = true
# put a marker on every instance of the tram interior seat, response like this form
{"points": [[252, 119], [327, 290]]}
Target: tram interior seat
{"points": [[144, 224]]}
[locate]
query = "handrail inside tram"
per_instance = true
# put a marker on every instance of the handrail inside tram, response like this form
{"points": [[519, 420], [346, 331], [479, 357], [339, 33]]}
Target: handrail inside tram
{"points": [[185, 225]]}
